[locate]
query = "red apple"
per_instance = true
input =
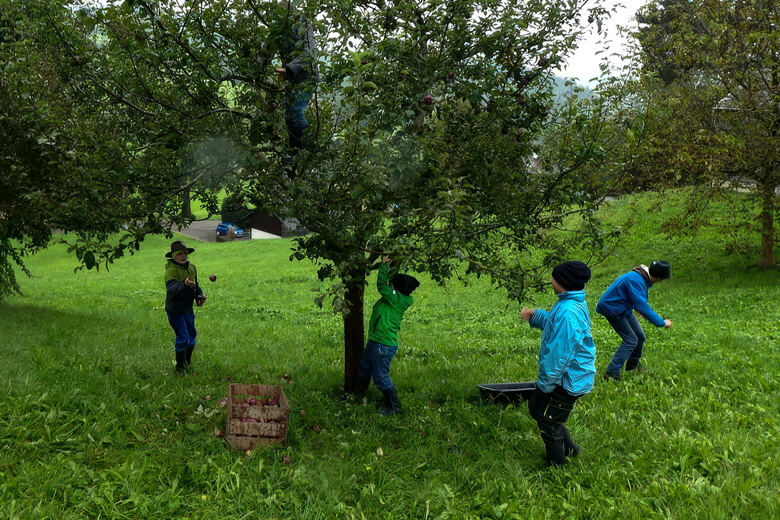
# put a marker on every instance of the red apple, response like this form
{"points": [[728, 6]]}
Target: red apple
{"points": [[428, 99], [286, 460], [316, 428], [271, 107], [213, 278], [287, 376]]}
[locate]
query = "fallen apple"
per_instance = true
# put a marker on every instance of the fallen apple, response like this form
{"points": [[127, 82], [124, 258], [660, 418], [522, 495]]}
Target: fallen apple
{"points": [[428, 99], [303, 412], [208, 398], [287, 376], [217, 433], [286, 460], [316, 428]]}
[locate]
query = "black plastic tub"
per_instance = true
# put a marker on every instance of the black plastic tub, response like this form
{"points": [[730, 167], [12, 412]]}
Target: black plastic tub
{"points": [[506, 393]]}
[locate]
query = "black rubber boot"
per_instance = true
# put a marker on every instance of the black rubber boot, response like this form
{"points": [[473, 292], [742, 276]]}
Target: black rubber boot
{"points": [[634, 364], [188, 357], [181, 359], [570, 448], [556, 452], [362, 385], [392, 402], [611, 375]]}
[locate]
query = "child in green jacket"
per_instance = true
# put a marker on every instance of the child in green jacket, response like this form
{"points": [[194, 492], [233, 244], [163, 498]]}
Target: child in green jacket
{"points": [[181, 290], [383, 334]]}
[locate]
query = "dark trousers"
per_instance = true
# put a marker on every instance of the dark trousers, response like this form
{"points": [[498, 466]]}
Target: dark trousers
{"points": [[550, 411], [375, 363], [296, 123], [183, 326], [633, 341]]}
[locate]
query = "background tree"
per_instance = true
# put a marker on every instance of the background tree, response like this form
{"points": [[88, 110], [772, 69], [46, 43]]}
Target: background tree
{"points": [[707, 84], [424, 141]]}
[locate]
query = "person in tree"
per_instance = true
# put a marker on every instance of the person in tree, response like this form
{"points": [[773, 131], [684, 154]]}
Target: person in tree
{"points": [[566, 359], [617, 304], [181, 290], [383, 330], [298, 51]]}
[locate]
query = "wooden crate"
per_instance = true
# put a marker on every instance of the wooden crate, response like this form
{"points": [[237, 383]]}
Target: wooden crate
{"points": [[251, 425]]}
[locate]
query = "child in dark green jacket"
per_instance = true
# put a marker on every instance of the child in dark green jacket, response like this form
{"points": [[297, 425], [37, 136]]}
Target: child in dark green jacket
{"points": [[181, 290], [383, 334]]}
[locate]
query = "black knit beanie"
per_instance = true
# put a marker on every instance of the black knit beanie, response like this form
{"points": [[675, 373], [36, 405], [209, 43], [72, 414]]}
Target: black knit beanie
{"points": [[404, 284], [572, 275], [661, 270]]}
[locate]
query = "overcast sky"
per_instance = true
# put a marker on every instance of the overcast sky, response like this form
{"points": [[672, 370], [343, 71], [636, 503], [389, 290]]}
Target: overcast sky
{"points": [[584, 63]]}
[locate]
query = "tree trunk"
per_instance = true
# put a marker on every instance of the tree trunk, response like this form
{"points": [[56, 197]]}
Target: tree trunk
{"points": [[767, 192], [186, 207], [354, 337]]}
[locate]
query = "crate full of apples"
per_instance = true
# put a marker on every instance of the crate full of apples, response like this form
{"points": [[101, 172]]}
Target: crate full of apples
{"points": [[256, 415]]}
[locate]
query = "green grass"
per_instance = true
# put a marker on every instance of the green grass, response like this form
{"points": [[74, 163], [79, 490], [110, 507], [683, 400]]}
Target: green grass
{"points": [[95, 425]]}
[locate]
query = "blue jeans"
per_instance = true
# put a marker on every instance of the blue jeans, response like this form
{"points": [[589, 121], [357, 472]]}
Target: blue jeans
{"points": [[184, 327], [297, 101], [375, 364], [629, 330]]}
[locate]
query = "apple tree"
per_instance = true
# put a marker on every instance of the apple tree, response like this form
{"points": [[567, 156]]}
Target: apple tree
{"points": [[426, 137], [707, 83]]}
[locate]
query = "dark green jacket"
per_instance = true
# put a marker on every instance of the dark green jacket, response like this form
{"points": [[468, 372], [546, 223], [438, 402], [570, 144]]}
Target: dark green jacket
{"points": [[178, 296], [387, 313]]}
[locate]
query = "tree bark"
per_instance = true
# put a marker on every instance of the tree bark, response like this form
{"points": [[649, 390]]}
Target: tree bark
{"points": [[767, 258], [354, 338], [186, 207]]}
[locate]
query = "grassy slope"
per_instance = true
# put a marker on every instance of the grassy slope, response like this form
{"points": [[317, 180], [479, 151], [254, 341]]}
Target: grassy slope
{"points": [[95, 425]]}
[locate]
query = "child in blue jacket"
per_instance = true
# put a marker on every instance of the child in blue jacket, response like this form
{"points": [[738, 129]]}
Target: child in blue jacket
{"points": [[566, 359], [617, 304]]}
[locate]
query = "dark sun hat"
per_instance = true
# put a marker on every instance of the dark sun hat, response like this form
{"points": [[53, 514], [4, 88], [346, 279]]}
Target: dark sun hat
{"points": [[178, 246]]}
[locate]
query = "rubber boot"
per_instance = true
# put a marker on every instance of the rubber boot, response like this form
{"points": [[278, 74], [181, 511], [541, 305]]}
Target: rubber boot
{"points": [[394, 405], [181, 359], [556, 452], [634, 364], [569, 447], [188, 357]]}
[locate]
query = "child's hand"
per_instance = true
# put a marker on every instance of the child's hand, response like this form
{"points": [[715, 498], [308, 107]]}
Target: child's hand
{"points": [[189, 282], [386, 259], [667, 324], [527, 313], [282, 72]]}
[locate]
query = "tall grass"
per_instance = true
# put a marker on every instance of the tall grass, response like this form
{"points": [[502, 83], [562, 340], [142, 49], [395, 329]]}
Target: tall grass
{"points": [[95, 425]]}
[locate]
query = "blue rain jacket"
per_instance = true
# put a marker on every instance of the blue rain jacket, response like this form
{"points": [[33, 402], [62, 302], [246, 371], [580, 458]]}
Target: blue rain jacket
{"points": [[627, 293], [567, 356]]}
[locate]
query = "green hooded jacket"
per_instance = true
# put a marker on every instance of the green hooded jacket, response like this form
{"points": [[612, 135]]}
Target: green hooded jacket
{"points": [[387, 313], [178, 296]]}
